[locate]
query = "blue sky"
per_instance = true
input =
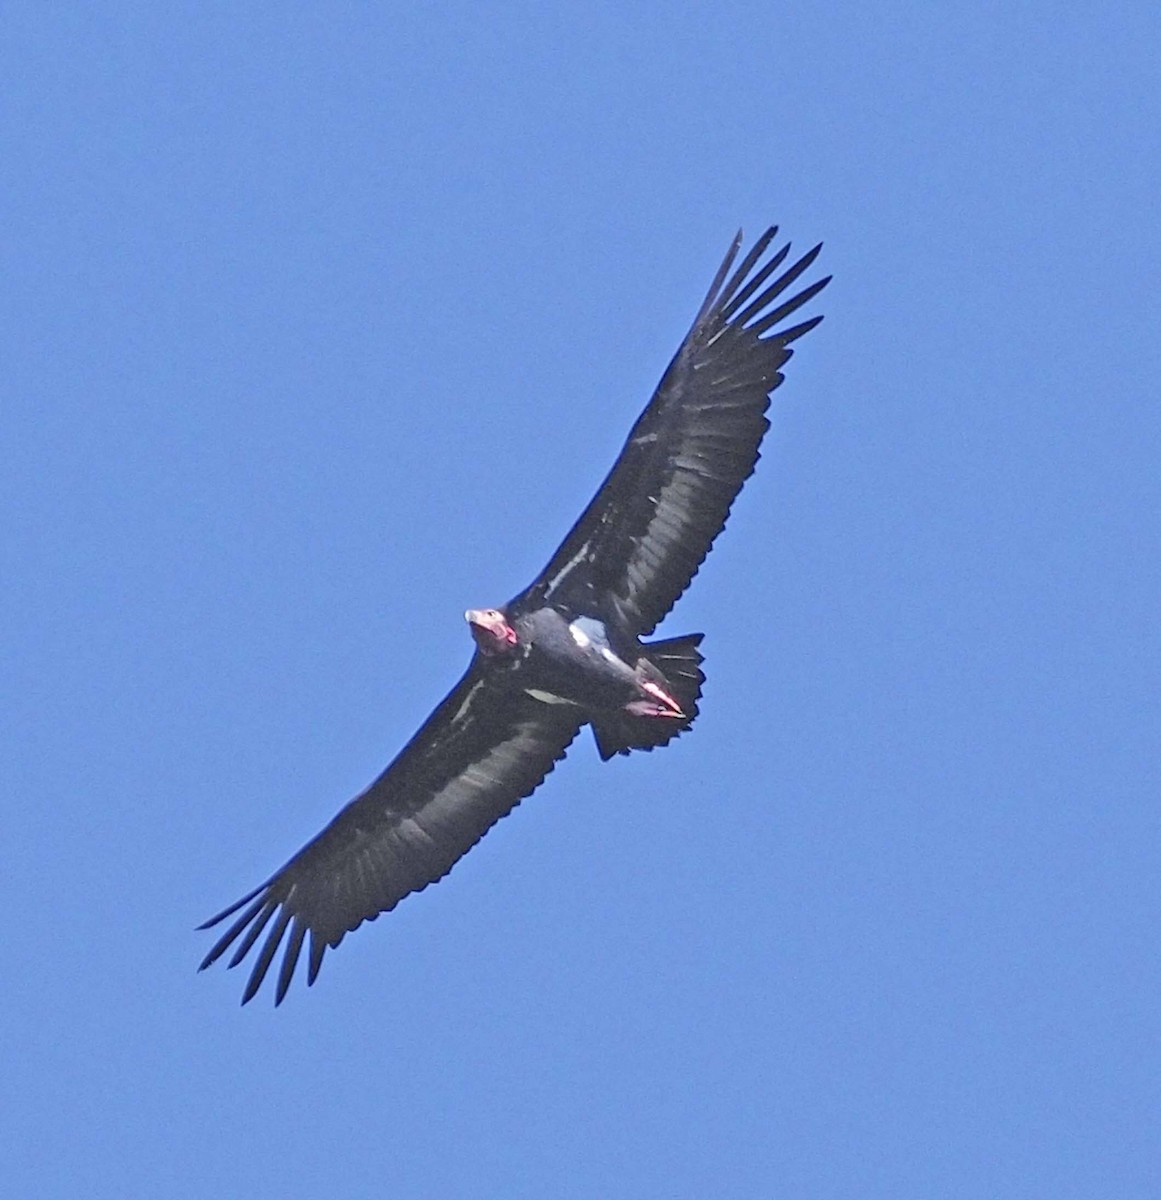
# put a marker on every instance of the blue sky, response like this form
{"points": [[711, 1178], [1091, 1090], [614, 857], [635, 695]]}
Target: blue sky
{"points": [[321, 323]]}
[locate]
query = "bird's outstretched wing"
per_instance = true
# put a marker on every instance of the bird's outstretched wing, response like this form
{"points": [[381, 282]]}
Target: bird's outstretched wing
{"points": [[649, 527], [476, 757]]}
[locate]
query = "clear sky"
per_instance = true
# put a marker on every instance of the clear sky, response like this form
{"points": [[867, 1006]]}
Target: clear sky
{"points": [[320, 324]]}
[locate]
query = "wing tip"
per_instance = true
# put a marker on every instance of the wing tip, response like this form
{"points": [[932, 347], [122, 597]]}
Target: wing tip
{"points": [[227, 912], [249, 927], [711, 297], [758, 318]]}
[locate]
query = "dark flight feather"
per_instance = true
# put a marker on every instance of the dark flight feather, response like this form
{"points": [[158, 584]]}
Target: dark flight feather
{"points": [[642, 538], [475, 758]]}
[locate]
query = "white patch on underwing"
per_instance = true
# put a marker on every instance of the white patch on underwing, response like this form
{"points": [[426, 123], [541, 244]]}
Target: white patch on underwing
{"points": [[547, 697], [463, 708], [579, 556]]}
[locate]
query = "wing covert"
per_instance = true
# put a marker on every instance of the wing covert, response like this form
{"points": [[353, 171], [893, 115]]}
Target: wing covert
{"points": [[651, 524], [475, 758]]}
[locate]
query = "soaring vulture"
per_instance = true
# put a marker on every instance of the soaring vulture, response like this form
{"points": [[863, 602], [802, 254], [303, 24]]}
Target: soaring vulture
{"points": [[567, 651]]}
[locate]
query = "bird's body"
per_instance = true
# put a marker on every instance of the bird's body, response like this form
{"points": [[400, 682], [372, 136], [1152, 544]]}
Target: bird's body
{"points": [[565, 652], [573, 662], [559, 658]]}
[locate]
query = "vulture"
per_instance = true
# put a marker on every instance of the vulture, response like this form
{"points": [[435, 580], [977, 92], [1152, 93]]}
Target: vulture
{"points": [[568, 650]]}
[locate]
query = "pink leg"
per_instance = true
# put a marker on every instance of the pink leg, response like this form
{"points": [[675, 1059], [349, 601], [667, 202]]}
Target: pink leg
{"points": [[665, 705]]}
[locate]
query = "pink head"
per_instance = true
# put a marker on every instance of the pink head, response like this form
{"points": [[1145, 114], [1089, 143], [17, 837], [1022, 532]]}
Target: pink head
{"points": [[491, 630]]}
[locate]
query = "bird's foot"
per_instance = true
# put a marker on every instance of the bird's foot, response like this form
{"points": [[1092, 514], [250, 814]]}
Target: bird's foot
{"points": [[662, 705]]}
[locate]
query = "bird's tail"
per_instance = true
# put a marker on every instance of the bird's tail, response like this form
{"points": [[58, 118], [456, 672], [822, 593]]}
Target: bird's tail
{"points": [[677, 662]]}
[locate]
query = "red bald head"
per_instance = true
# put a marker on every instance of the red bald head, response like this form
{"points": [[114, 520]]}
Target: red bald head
{"points": [[491, 630]]}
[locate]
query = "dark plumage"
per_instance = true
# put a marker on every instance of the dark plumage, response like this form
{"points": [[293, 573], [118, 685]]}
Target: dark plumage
{"points": [[566, 651]]}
